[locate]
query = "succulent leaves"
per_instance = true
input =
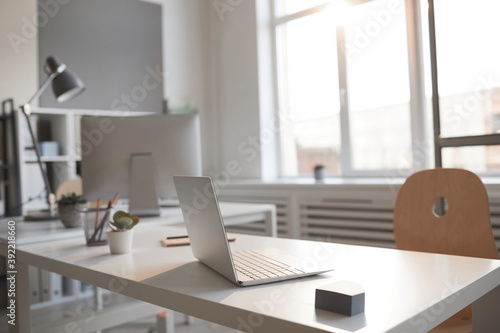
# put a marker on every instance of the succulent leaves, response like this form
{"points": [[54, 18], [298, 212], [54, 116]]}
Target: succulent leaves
{"points": [[123, 221]]}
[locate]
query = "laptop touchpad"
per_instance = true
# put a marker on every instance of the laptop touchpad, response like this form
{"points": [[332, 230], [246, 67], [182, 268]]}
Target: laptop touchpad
{"points": [[283, 257]]}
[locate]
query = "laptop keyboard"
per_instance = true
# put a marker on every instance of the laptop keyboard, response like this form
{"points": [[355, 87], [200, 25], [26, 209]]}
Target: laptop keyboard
{"points": [[258, 266]]}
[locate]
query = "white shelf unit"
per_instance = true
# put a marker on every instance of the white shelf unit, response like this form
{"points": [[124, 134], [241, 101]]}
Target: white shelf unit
{"points": [[65, 129]]}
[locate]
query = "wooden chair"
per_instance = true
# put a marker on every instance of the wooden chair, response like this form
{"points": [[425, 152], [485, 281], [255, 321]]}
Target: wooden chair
{"points": [[464, 229], [74, 185], [69, 186]]}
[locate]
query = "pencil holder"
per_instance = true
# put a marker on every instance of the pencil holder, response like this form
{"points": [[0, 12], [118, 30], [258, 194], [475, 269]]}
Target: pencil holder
{"points": [[95, 225]]}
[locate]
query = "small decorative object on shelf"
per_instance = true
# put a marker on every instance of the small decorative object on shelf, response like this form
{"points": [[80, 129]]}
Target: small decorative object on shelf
{"points": [[70, 208], [121, 232], [319, 172], [48, 148]]}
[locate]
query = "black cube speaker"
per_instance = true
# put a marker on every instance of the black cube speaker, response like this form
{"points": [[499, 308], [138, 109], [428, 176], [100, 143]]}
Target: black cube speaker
{"points": [[344, 297]]}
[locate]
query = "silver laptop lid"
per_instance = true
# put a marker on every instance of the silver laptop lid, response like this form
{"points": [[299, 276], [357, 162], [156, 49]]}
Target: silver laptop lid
{"points": [[204, 223]]}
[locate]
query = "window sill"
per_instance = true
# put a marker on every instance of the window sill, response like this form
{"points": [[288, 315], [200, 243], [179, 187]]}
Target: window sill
{"points": [[358, 182], [311, 183]]}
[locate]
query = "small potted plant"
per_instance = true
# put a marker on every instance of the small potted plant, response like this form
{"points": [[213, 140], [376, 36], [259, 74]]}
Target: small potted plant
{"points": [[121, 232], [70, 208], [319, 172]]}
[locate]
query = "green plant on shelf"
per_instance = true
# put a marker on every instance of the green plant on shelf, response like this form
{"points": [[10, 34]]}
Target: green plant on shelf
{"points": [[123, 221], [71, 199], [69, 208]]}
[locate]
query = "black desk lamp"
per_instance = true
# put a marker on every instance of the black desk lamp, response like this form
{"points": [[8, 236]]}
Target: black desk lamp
{"points": [[65, 86]]}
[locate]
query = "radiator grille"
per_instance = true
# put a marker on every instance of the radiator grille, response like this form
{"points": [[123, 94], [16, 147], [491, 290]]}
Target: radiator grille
{"points": [[360, 222], [359, 217], [495, 219]]}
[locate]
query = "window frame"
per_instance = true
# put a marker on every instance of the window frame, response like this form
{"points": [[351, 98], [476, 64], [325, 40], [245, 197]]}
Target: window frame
{"points": [[417, 102], [441, 142]]}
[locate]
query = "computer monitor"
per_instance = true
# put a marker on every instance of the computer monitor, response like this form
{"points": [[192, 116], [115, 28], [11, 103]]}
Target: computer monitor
{"points": [[137, 157]]}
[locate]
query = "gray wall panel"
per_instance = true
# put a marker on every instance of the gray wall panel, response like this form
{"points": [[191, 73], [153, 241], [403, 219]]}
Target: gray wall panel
{"points": [[112, 45]]}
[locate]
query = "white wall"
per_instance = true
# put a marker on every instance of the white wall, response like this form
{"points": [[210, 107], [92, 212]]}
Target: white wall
{"points": [[212, 60], [18, 50], [234, 32], [187, 61]]}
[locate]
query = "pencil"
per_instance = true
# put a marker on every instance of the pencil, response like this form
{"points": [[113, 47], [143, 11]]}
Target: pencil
{"points": [[112, 202], [106, 216], [98, 205]]}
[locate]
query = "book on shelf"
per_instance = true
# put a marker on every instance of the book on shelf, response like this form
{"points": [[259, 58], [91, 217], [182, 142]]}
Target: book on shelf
{"points": [[34, 285], [50, 286]]}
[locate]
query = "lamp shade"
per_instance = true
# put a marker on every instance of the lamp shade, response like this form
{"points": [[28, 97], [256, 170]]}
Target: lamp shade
{"points": [[65, 85]]}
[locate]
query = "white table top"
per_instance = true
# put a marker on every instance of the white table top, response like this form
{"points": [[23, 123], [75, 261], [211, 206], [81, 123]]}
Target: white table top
{"points": [[36, 232], [404, 290]]}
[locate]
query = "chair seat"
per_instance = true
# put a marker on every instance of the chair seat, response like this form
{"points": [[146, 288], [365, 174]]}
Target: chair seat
{"points": [[459, 323]]}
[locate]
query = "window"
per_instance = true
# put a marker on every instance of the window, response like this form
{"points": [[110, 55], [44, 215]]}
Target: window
{"points": [[378, 86], [343, 75], [356, 84], [310, 94]]}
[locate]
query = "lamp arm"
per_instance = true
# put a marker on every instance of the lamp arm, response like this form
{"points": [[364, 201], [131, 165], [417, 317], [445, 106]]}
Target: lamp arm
{"points": [[41, 90], [26, 110]]}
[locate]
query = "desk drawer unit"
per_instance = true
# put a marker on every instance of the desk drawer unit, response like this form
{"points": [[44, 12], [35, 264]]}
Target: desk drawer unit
{"points": [[258, 227]]}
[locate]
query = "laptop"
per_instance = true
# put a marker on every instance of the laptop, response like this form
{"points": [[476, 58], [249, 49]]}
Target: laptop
{"points": [[209, 244]]}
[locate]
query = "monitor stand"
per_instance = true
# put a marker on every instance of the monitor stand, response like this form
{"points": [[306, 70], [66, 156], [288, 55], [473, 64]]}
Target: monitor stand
{"points": [[143, 199], [44, 215]]}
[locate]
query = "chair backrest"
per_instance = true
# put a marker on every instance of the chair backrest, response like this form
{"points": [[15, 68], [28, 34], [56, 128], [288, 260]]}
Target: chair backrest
{"points": [[69, 186], [465, 227]]}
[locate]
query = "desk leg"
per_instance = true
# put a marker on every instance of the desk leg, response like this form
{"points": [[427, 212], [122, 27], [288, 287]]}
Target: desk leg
{"points": [[165, 322], [271, 223], [22, 298], [485, 315], [98, 302]]}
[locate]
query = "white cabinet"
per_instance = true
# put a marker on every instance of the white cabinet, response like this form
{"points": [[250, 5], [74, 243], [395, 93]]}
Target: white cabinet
{"points": [[63, 127]]}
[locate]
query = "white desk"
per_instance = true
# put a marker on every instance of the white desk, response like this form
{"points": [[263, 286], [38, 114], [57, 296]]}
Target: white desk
{"points": [[405, 291], [233, 214], [50, 231]]}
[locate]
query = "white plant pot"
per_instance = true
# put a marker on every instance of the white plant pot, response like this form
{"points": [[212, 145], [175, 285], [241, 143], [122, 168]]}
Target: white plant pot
{"points": [[319, 174], [120, 242]]}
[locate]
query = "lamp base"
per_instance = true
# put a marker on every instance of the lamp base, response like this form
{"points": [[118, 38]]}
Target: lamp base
{"points": [[41, 216]]}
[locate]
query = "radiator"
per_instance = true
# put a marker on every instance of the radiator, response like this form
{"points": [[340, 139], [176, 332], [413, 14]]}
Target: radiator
{"points": [[359, 217], [495, 219], [350, 221]]}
